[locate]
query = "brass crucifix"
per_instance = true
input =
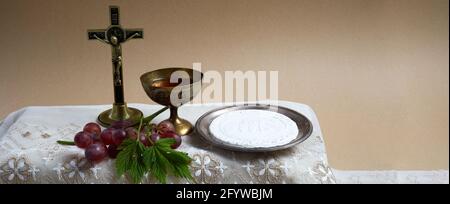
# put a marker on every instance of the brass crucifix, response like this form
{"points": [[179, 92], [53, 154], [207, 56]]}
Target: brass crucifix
{"points": [[115, 35]]}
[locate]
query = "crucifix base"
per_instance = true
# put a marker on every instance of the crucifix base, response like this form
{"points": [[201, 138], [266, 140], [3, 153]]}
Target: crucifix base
{"points": [[120, 112]]}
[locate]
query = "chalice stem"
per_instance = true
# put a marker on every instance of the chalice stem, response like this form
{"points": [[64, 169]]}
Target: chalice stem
{"points": [[173, 113], [182, 126]]}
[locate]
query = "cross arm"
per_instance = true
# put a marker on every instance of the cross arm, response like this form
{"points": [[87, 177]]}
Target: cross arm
{"points": [[98, 34], [134, 34]]}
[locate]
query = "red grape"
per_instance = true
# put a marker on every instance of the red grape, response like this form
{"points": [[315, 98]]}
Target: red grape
{"points": [[144, 140], [83, 139], [166, 126], [121, 124], [96, 152], [177, 142], [113, 151], [118, 136], [95, 137], [93, 128], [174, 136], [131, 133], [154, 128], [169, 134], [155, 137], [107, 136]]}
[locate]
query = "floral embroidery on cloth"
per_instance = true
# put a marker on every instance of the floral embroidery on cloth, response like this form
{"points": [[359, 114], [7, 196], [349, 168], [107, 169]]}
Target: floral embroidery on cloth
{"points": [[205, 169], [266, 171], [74, 170], [16, 170], [323, 173]]}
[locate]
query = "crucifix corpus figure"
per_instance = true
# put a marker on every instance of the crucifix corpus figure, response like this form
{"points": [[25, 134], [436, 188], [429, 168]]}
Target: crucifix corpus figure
{"points": [[114, 36]]}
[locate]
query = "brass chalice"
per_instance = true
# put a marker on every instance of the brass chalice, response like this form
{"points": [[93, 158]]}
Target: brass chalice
{"points": [[173, 87]]}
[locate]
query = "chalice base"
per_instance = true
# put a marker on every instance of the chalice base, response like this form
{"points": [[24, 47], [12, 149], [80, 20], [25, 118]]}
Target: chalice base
{"points": [[182, 126]]}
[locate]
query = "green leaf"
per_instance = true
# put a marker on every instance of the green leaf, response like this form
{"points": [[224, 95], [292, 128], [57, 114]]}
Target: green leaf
{"points": [[69, 143], [157, 164], [138, 167], [160, 159], [179, 162], [182, 171], [177, 157], [131, 160], [124, 158], [165, 143], [136, 160], [127, 142]]}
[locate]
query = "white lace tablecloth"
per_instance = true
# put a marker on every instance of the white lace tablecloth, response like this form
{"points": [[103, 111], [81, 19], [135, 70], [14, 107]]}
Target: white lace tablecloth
{"points": [[29, 152]]}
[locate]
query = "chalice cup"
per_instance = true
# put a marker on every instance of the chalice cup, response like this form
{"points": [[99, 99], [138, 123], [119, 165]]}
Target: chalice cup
{"points": [[173, 87]]}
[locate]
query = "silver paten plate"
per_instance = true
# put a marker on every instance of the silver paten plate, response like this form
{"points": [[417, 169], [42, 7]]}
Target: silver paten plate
{"points": [[305, 127]]}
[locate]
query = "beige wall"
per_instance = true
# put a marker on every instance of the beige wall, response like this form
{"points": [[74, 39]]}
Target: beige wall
{"points": [[375, 71]]}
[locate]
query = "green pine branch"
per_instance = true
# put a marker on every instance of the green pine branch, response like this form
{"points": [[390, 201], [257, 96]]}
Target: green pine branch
{"points": [[159, 160]]}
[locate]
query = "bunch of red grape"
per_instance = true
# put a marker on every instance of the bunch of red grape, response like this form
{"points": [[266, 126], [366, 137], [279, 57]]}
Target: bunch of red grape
{"points": [[99, 144]]}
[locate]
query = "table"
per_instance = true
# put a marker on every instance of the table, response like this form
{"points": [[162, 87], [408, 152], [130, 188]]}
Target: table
{"points": [[29, 152]]}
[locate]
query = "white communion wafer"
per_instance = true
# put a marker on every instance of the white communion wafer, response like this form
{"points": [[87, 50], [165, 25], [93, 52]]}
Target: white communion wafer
{"points": [[254, 128]]}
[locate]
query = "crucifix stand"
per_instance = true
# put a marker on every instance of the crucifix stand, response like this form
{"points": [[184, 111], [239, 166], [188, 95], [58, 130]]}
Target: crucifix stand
{"points": [[115, 35]]}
